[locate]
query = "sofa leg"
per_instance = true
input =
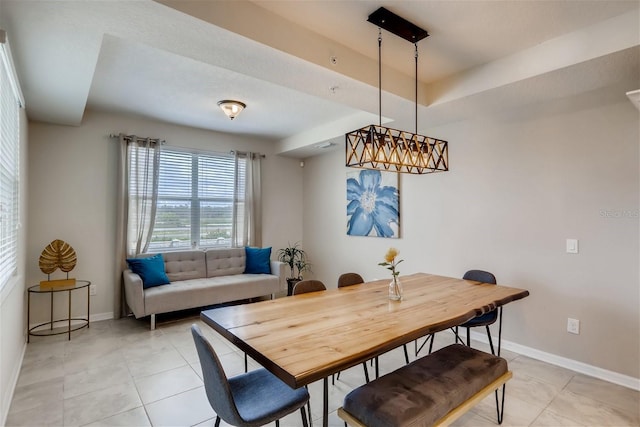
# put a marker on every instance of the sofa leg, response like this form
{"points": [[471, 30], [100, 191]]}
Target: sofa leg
{"points": [[153, 322]]}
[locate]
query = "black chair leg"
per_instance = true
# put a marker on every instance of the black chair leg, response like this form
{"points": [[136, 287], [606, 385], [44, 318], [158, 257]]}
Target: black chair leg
{"points": [[468, 337], [433, 337], [217, 421], [366, 374], [277, 423], [309, 408], [377, 368], [246, 363], [500, 332], [406, 354], [430, 337], [455, 331], [304, 416]]}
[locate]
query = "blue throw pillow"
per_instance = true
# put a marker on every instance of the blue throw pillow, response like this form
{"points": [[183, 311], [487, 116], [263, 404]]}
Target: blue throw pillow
{"points": [[150, 269], [258, 260]]}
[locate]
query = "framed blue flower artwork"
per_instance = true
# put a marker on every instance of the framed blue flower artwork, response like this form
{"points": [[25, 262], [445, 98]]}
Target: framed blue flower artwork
{"points": [[373, 204]]}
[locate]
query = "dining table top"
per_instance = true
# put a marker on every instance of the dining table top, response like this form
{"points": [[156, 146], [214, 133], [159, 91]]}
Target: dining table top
{"points": [[307, 337]]}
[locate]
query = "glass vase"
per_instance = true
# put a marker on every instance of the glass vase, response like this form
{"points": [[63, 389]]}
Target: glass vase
{"points": [[395, 289]]}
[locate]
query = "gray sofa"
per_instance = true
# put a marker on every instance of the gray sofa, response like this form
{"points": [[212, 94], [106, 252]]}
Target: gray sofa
{"points": [[200, 278]]}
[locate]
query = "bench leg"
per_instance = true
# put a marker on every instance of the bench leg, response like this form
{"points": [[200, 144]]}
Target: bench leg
{"points": [[500, 406]]}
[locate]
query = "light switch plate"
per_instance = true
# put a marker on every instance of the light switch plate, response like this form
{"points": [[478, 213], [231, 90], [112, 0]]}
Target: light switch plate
{"points": [[572, 246], [573, 326]]}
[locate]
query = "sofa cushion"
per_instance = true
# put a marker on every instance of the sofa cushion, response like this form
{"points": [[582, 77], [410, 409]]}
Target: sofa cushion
{"points": [[225, 262], [213, 290], [258, 260], [150, 269], [185, 265]]}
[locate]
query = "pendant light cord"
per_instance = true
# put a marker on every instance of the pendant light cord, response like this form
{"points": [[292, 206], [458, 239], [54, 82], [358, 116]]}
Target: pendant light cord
{"points": [[416, 87], [379, 76]]}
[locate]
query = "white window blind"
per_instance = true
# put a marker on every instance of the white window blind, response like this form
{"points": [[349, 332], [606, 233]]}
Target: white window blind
{"points": [[9, 165], [196, 196]]}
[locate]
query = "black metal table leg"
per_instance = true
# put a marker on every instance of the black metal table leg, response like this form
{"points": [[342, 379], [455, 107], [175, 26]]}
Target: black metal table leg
{"points": [[325, 404]]}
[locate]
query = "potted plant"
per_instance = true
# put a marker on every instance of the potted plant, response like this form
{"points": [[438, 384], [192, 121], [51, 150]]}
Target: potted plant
{"points": [[296, 259]]}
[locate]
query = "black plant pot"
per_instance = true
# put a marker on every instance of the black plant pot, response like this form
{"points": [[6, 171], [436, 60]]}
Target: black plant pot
{"points": [[290, 284]]}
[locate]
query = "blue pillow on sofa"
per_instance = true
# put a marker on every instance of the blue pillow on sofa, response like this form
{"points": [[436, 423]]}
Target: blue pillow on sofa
{"points": [[258, 260], [150, 269]]}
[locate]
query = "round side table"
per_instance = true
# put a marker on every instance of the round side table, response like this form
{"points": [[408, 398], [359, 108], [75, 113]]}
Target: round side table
{"points": [[39, 289]]}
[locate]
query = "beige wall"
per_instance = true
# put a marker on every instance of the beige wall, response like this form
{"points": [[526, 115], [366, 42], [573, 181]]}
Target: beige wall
{"points": [[72, 194], [519, 185], [12, 298]]}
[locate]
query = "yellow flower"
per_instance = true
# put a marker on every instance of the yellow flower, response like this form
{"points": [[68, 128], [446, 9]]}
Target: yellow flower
{"points": [[391, 255]]}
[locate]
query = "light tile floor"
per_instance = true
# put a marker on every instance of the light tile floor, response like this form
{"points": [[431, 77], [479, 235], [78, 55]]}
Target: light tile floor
{"points": [[119, 373]]}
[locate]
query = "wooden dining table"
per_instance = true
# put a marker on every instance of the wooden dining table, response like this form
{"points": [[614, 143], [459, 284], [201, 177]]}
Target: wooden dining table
{"points": [[308, 337]]}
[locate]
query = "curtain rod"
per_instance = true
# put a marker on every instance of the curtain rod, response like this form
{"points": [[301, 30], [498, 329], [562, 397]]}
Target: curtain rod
{"points": [[262, 156], [162, 141], [115, 135]]}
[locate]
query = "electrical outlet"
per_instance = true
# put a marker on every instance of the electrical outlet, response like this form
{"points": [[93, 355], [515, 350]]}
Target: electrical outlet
{"points": [[573, 326], [572, 246], [92, 290]]}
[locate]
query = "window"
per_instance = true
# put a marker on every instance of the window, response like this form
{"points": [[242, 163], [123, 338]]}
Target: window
{"points": [[10, 102], [198, 195]]}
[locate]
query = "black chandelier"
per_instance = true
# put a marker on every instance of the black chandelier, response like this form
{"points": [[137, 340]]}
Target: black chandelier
{"points": [[383, 148]]}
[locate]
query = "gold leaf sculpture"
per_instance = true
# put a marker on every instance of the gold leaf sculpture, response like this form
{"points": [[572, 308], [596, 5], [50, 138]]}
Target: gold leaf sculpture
{"points": [[57, 254]]}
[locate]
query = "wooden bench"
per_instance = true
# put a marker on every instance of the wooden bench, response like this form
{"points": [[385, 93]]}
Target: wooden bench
{"points": [[434, 390]]}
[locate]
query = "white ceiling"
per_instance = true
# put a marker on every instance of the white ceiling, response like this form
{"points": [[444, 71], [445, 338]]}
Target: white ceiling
{"points": [[172, 60]]}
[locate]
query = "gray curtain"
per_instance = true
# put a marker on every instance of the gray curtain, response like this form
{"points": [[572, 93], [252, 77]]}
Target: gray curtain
{"points": [[247, 210], [137, 197], [253, 200]]}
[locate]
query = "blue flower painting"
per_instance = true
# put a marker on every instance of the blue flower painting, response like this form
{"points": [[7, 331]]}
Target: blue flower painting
{"points": [[372, 204]]}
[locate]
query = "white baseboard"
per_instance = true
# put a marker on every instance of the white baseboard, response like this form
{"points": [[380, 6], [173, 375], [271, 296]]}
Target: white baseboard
{"points": [[101, 316], [574, 365]]}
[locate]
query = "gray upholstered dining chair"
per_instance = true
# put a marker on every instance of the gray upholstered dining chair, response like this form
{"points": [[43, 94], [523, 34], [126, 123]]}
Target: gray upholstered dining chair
{"points": [[304, 286], [485, 320], [251, 399]]}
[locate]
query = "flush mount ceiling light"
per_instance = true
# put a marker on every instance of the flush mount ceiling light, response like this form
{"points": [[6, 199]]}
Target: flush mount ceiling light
{"points": [[231, 108], [383, 148]]}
